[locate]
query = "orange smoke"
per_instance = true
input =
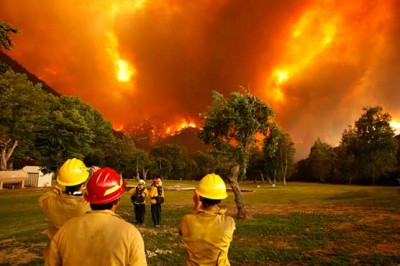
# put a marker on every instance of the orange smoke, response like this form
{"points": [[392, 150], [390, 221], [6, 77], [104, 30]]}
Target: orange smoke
{"points": [[318, 63]]}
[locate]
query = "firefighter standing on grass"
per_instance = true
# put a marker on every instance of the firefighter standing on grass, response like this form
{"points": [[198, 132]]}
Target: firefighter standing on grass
{"points": [[156, 193], [138, 197], [65, 200], [100, 236], [207, 232]]}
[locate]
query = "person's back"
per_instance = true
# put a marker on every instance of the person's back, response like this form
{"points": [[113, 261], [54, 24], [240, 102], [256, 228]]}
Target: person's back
{"points": [[59, 205], [206, 236], [99, 237], [207, 232]]}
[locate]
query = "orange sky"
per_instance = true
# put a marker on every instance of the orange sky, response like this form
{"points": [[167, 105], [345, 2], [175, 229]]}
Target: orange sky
{"points": [[318, 63]]}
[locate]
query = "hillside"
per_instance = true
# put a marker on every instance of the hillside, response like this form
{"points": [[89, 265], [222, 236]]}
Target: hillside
{"points": [[20, 69], [188, 139]]}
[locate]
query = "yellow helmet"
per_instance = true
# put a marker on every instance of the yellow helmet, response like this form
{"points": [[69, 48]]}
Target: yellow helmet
{"points": [[73, 172], [212, 186]]}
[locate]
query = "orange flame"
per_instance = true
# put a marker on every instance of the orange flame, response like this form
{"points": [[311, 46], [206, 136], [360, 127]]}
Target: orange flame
{"points": [[118, 127], [180, 126], [395, 124], [310, 37], [124, 70]]}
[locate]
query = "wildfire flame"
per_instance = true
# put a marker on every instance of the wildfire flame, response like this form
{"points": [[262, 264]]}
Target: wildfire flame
{"points": [[180, 126], [124, 70], [395, 124], [118, 127], [309, 38]]}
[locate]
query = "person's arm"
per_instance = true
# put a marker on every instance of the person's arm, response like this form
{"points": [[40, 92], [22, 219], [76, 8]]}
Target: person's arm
{"points": [[54, 255], [55, 192], [138, 253]]}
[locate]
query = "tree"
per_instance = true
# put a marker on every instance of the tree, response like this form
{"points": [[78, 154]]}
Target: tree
{"points": [[171, 160], [22, 105], [63, 134], [143, 135], [5, 31], [143, 162], [230, 127], [347, 152], [204, 164], [257, 166], [371, 144], [279, 153], [321, 160], [122, 155]]}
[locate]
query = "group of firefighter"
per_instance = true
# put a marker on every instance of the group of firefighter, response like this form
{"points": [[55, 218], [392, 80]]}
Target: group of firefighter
{"points": [[84, 229], [139, 194]]}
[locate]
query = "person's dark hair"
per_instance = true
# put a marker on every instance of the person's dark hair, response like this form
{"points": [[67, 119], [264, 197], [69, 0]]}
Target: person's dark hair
{"points": [[71, 189], [105, 206], [209, 202]]}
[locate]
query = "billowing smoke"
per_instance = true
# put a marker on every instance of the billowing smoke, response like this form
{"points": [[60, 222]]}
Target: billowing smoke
{"points": [[318, 63]]}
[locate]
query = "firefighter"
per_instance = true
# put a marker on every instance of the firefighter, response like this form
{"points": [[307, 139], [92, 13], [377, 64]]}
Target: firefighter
{"points": [[156, 194], [207, 232], [65, 200], [100, 236], [138, 197]]}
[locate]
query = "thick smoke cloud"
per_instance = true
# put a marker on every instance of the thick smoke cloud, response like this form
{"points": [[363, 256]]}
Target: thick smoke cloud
{"points": [[340, 56]]}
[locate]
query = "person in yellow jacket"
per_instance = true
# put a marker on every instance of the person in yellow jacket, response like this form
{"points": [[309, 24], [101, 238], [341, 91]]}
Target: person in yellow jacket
{"points": [[138, 198], [207, 232], [65, 200], [156, 193], [100, 236]]}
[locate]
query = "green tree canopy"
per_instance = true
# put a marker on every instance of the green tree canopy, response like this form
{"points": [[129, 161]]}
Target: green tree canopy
{"points": [[370, 145], [63, 134], [231, 126], [171, 161], [5, 31], [279, 153], [321, 161], [22, 105], [122, 155]]}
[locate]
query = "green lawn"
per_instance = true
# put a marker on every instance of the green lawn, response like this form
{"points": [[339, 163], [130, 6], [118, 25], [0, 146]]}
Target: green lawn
{"points": [[297, 224]]}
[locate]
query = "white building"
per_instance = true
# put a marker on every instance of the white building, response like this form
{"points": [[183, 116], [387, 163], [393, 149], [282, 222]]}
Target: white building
{"points": [[36, 178]]}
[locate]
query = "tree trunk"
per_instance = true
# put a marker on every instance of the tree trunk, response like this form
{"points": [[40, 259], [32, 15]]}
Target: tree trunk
{"points": [[233, 180], [262, 177], [6, 154], [145, 171], [285, 171]]}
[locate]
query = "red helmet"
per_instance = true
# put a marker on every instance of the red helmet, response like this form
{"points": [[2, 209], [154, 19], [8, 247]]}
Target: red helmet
{"points": [[104, 186], [157, 180]]}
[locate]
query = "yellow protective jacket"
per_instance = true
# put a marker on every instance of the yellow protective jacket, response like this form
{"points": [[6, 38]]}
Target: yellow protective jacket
{"points": [[59, 207], [206, 236], [153, 192], [97, 238], [145, 192]]}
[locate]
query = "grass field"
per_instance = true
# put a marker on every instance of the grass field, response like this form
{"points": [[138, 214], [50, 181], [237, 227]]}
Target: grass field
{"points": [[297, 224]]}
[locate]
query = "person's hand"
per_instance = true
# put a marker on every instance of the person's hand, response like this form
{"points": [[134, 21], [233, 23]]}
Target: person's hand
{"points": [[93, 169], [196, 200], [59, 188]]}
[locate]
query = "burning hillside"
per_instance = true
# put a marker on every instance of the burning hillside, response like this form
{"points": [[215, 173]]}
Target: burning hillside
{"points": [[316, 62]]}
